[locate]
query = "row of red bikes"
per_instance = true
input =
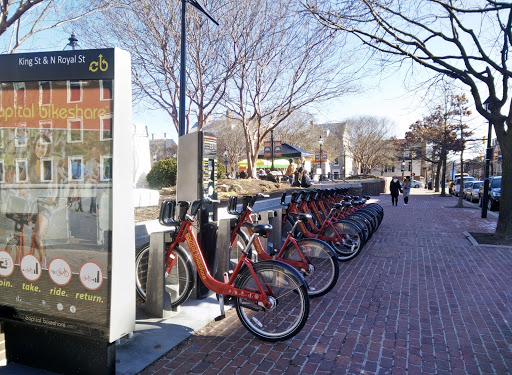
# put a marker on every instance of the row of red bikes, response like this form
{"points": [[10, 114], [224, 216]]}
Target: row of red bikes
{"points": [[270, 290]]}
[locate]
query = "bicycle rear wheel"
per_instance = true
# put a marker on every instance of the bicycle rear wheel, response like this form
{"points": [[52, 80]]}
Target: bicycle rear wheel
{"points": [[287, 293], [178, 283], [324, 271]]}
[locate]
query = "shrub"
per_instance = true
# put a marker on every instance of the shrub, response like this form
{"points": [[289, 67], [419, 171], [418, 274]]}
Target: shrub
{"points": [[162, 174], [221, 170]]}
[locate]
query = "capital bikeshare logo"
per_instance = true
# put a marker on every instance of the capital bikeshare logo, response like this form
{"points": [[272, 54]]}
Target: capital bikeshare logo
{"points": [[101, 64]]}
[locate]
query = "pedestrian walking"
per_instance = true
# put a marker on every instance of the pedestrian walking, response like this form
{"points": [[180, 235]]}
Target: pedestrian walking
{"points": [[395, 189], [406, 190]]}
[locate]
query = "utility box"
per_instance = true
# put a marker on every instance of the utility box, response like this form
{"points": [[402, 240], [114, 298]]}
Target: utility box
{"points": [[197, 178]]}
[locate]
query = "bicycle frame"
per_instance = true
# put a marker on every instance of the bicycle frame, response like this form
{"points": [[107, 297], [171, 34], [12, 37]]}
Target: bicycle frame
{"points": [[185, 234], [263, 255], [326, 224]]}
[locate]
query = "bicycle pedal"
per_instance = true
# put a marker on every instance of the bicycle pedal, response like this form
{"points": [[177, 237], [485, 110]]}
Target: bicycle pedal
{"points": [[220, 317]]}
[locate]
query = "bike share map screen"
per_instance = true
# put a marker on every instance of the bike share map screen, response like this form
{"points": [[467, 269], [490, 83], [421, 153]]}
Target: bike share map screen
{"points": [[55, 198]]}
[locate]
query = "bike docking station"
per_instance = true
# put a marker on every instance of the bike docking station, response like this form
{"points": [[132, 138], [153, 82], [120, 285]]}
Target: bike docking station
{"points": [[196, 179], [66, 280]]}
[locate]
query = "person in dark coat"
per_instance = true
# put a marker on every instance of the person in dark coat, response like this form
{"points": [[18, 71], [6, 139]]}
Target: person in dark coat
{"points": [[395, 189]]}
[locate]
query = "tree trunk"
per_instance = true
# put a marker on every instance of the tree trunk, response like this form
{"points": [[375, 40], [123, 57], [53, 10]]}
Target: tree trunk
{"points": [[438, 176], [504, 226]]}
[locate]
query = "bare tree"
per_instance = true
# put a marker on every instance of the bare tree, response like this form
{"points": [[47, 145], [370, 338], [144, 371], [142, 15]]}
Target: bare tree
{"points": [[284, 64], [439, 130], [467, 41], [25, 18], [230, 139], [370, 144], [151, 32]]}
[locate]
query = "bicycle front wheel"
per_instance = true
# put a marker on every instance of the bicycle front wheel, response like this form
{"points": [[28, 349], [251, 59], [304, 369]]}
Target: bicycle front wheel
{"points": [[350, 240], [287, 294], [323, 271], [178, 283]]}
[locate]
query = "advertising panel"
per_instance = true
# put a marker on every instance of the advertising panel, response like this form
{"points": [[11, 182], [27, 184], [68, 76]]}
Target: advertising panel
{"points": [[56, 189]]}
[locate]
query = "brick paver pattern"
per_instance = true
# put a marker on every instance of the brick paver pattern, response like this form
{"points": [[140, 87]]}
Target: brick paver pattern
{"points": [[419, 299]]}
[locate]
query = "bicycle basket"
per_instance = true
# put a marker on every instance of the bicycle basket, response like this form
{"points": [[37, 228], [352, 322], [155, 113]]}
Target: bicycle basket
{"points": [[233, 200], [167, 210]]}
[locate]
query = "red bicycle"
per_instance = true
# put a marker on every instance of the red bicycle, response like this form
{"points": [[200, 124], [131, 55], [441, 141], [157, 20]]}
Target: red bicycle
{"points": [[270, 297], [315, 259]]}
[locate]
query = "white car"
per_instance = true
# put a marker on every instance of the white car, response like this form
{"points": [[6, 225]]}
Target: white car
{"points": [[416, 184]]}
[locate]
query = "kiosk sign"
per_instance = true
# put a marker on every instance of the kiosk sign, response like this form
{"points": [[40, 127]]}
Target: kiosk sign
{"points": [[57, 146]]}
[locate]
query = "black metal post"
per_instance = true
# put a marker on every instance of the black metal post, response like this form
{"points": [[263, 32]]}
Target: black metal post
{"points": [[488, 155], [181, 125], [272, 149], [321, 172]]}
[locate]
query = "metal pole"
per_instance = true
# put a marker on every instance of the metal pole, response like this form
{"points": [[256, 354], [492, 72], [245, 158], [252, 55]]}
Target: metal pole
{"points": [[181, 126], [272, 149], [321, 172], [485, 198]]}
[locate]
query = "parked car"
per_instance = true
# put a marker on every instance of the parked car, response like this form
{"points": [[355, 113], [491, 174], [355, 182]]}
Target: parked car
{"points": [[466, 187], [416, 184], [456, 185], [494, 193], [471, 193]]}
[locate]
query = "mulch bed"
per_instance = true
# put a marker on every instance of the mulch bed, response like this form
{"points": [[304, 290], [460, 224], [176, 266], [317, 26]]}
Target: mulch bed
{"points": [[491, 239]]}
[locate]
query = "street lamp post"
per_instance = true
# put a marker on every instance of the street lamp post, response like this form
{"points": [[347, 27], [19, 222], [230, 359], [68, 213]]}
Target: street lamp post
{"points": [[272, 149], [321, 142], [488, 155], [226, 160], [183, 60]]}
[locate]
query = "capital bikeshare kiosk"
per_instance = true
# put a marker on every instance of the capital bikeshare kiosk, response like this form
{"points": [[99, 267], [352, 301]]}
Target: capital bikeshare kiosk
{"points": [[197, 178], [66, 290]]}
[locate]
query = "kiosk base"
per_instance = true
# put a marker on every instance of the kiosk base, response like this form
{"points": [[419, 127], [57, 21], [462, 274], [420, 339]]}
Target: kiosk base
{"points": [[58, 352]]}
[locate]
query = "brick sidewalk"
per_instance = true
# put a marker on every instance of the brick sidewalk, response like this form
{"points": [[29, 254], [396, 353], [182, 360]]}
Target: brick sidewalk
{"points": [[419, 299]]}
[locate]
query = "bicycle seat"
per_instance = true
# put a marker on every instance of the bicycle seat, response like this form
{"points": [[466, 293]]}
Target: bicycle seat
{"points": [[261, 229], [366, 197], [300, 216]]}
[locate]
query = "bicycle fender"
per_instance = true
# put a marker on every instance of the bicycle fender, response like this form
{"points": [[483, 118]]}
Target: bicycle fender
{"points": [[287, 268]]}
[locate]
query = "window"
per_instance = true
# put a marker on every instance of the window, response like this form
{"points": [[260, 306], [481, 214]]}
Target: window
{"points": [[75, 130], [75, 165], [106, 127], [105, 90], [389, 168], [45, 93], [19, 94], [46, 166], [20, 135], [21, 168], [106, 168], [46, 127], [74, 91]]}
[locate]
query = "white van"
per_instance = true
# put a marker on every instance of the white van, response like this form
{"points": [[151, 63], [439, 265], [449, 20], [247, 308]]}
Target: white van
{"points": [[456, 184]]}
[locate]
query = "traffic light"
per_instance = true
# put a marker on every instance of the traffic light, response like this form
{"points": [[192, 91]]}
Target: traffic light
{"points": [[495, 156], [414, 174]]}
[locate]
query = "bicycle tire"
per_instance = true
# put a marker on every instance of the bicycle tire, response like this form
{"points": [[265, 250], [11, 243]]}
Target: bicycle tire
{"points": [[180, 281], [351, 242], [325, 272], [362, 227], [288, 293]]}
